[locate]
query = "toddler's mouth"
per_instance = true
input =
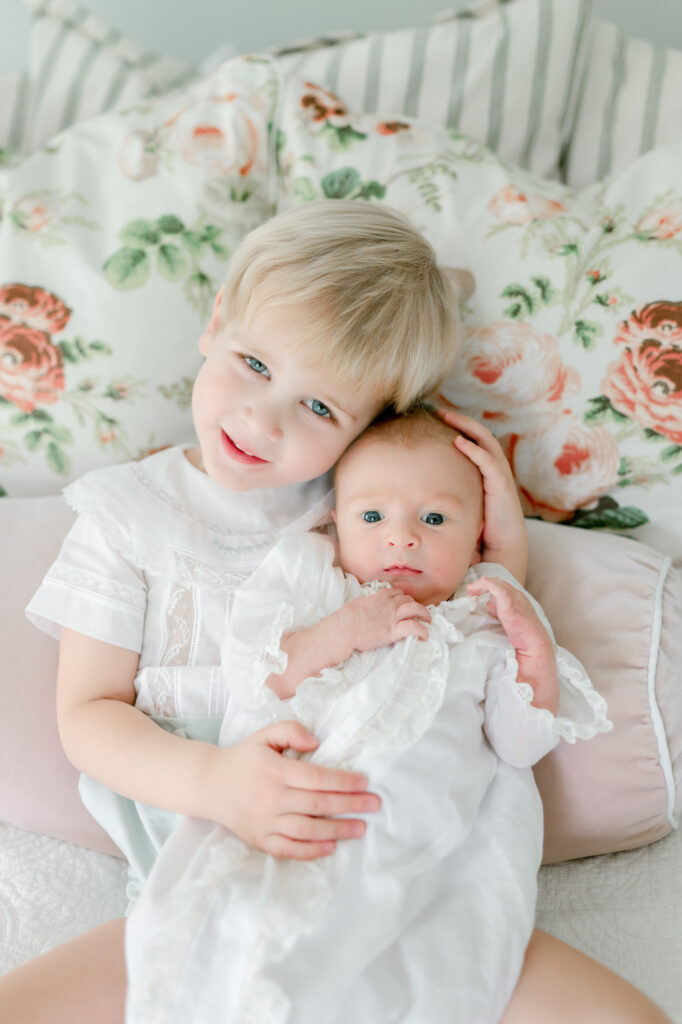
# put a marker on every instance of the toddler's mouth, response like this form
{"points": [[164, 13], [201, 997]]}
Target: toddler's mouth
{"points": [[239, 454]]}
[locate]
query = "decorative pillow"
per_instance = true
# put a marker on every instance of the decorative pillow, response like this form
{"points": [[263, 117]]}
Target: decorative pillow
{"points": [[80, 67], [508, 77], [14, 88], [616, 605], [113, 243], [621, 619], [573, 346], [39, 785], [630, 101]]}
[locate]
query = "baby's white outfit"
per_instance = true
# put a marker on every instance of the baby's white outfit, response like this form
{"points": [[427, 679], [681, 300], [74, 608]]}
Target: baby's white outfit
{"points": [[151, 564], [425, 920]]}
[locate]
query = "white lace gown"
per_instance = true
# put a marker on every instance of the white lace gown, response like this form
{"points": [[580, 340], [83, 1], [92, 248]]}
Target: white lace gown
{"points": [[427, 917], [151, 564]]}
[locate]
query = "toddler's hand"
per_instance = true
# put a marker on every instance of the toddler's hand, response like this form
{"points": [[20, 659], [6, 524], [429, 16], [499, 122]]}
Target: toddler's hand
{"points": [[283, 806], [504, 532], [527, 635], [384, 617]]}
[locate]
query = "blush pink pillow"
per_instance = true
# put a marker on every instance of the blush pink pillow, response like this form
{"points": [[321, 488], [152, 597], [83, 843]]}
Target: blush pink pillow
{"points": [[38, 785], [617, 605]]}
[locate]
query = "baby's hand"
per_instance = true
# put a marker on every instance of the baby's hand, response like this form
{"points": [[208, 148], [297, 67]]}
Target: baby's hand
{"points": [[504, 531], [283, 806], [382, 618], [527, 635]]}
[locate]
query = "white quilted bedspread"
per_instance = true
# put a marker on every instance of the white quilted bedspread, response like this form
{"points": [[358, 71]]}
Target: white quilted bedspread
{"points": [[625, 909]]}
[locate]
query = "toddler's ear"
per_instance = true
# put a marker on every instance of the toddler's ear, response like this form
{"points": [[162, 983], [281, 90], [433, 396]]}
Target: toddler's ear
{"points": [[463, 280], [333, 515], [212, 326]]}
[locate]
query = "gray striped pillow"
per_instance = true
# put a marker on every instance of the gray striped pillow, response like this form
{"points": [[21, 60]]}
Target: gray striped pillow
{"points": [[508, 76], [13, 106], [630, 101], [80, 67]]}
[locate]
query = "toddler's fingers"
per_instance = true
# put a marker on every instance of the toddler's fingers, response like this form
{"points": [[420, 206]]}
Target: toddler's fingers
{"points": [[329, 805], [293, 849], [289, 734], [318, 830], [322, 780]]}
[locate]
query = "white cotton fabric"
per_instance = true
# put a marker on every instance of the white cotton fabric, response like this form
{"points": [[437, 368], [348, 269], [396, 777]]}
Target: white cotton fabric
{"points": [[428, 916], [151, 564]]}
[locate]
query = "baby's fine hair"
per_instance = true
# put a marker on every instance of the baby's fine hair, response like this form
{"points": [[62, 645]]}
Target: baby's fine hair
{"points": [[365, 289]]}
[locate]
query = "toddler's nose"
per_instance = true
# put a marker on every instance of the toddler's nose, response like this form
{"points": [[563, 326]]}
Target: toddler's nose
{"points": [[263, 421]]}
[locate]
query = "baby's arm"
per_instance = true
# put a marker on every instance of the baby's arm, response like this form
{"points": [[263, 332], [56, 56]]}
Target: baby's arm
{"points": [[504, 533], [362, 624], [529, 638], [286, 807]]}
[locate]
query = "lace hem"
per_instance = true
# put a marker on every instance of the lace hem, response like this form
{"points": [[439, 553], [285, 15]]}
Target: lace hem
{"points": [[573, 676]]}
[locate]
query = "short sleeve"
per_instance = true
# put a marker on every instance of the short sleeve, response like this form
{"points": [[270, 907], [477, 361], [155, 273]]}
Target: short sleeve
{"points": [[92, 589]]}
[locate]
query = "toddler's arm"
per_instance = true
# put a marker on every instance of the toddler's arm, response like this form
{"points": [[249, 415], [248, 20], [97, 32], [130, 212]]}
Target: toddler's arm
{"points": [[529, 638], [286, 807], [504, 533], [363, 624]]}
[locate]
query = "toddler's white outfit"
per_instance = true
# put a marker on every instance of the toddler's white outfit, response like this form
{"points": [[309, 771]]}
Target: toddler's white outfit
{"points": [[151, 564], [425, 920]]}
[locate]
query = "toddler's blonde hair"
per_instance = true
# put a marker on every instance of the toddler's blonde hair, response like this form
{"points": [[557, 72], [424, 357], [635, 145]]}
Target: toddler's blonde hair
{"points": [[371, 302]]}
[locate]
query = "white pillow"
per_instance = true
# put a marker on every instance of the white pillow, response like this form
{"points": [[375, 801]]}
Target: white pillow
{"points": [[630, 101], [507, 76]]}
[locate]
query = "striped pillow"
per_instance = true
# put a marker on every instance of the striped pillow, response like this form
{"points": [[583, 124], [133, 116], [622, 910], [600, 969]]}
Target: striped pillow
{"points": [[80, 67], [14, 88], [507, 74], [630, 101]]}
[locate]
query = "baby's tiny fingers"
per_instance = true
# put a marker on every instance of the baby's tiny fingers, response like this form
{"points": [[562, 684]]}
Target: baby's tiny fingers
{"points": [[413, 610], [411, 627]]}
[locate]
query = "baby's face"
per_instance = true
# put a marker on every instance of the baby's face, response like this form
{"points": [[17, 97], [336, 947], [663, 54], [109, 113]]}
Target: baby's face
{"points": [[412, 516]]}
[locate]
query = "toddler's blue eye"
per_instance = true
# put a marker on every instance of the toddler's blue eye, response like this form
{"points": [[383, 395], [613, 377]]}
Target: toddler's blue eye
{"points": [[433, 519], [256, 365], [319, 408], [372, 516]]}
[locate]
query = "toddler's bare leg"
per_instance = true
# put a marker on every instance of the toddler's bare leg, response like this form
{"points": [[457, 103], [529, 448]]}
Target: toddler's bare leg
{"points": [[81, 982], [561, 985]]}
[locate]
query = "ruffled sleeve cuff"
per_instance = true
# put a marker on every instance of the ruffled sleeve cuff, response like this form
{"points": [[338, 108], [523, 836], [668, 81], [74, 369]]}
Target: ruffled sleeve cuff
{"points": [[521, 733]]}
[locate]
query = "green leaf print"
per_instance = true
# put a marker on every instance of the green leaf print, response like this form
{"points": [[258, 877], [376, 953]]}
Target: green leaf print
{"points": [[57, 459], [625, 518], [602, 411], [525, 304], [587, 333], [304, 190], [169, 224], [339, 184], [171, 261], [341, 138], [140, 232], [371, 190], [3, 492], [127, 268], [671, 453]]}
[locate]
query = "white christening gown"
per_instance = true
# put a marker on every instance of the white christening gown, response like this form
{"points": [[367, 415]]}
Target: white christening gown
{"points": [[425, 920]]}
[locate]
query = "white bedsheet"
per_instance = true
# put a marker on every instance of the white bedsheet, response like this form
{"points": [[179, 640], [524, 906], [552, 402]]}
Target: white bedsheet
{"points": [[625, 909]]}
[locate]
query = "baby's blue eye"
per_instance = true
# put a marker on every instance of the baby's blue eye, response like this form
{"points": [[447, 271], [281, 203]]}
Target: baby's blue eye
{"points": [[319, 408], [256, 365], [433, 519], [372, 516]]}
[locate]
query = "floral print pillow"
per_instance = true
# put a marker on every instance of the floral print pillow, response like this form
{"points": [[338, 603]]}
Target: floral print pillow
{"points": [[113, 242], [572, 349]]}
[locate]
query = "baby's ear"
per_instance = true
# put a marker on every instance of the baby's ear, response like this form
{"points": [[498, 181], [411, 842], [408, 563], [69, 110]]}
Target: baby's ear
{"points": [[333, 515], [212, 326], [463, 280], [477, 553]]}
